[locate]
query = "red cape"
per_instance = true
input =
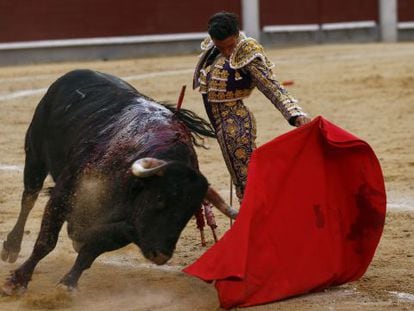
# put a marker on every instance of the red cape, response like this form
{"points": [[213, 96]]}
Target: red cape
{"points": [[312, 216]]}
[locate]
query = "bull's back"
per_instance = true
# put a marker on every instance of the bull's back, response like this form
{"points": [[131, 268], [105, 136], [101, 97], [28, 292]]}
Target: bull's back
{"points": [[82, 94], [73, 111], [87, 113]]}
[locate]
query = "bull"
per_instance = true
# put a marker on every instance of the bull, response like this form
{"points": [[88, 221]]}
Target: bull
{"points": [[125, 171]]}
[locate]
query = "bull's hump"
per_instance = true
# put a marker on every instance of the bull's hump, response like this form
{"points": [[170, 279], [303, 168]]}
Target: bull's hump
{"points": [[150, 104], [141, 118], [151, 111]]}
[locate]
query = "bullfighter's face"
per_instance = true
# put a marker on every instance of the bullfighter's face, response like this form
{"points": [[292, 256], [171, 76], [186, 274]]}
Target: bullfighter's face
{"points": [[227, 45]]}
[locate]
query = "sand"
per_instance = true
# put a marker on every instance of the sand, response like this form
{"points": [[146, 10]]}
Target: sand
{"points": [[367, 89]]}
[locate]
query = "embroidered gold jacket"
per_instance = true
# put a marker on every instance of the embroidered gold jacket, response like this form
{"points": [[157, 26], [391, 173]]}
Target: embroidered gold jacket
{"points": [[224, 80]]}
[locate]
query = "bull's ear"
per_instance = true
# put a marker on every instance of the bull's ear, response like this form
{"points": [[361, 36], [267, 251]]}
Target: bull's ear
{"points": [[146, 167]]}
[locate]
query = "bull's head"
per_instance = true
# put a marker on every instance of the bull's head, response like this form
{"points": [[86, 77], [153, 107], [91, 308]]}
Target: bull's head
{"points": [[172, 194], [150, 166]]}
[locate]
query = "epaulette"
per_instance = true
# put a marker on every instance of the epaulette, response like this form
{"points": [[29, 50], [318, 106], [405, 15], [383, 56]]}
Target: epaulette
{"points": [[247, 50], [206, 44]]}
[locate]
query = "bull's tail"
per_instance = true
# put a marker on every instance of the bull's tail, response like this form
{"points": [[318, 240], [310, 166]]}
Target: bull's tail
{"points": [[196, 124]]}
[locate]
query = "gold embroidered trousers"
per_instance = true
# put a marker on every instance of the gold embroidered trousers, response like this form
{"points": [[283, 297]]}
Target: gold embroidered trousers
{"points": [[236, 134]]}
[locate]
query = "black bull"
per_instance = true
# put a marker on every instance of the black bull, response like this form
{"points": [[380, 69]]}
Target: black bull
{"points": [[125, 171]]}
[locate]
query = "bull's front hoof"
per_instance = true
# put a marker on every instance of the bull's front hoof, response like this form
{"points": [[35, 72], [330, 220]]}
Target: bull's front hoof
{"points": [[11, 289], [66, 288], [8, 255]]}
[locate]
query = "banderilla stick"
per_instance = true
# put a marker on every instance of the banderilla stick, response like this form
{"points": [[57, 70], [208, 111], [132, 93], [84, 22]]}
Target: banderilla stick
{"points": [[288, 83], [181, 98]]}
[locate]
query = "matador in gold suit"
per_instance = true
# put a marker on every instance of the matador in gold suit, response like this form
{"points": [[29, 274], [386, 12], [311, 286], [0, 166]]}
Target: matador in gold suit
{"points": [[224, 83]]}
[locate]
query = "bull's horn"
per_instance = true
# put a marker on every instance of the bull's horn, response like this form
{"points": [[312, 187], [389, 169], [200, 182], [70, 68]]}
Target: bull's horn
{"points": [[214, 198], [147, 167]]}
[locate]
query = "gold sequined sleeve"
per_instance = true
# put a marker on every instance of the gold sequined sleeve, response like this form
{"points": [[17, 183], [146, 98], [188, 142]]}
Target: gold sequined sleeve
{"points": [[264, 79]]}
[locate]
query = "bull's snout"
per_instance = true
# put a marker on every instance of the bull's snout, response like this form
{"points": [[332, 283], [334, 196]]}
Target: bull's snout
{"points": [[157, 257]]}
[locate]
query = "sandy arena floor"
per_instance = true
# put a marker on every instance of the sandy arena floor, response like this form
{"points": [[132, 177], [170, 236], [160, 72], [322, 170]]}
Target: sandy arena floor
{"points": [[367, 89]]}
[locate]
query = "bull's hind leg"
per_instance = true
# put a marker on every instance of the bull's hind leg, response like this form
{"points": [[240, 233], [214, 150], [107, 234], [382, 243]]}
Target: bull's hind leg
{"points": [[100, 239], [34, 175], [52, 222]]}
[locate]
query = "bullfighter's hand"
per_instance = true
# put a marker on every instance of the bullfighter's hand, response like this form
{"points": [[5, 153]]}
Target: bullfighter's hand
{"points": [[302, 120]]}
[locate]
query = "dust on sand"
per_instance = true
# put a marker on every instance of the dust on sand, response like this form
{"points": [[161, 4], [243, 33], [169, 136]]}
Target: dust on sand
{"points": [[367, 89]]}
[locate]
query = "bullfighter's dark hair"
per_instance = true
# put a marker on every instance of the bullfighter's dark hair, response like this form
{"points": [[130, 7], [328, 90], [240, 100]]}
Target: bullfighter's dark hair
{"points": [[223, 25], [197, 125]]}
